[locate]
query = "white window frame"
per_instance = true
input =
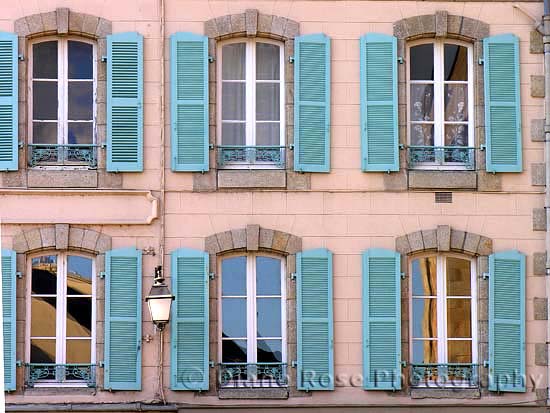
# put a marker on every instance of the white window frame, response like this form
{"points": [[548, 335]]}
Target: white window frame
{"points": [[441, 300], [62, 92], [251, 322], [61, 314], [250, 99], [439, 83]]}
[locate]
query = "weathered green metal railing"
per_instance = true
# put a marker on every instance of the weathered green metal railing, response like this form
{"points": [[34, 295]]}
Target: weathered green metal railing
{"points": [[253, 374], [421, 156], [49, 154], [273, 156], [445, 375], [60, 373]]}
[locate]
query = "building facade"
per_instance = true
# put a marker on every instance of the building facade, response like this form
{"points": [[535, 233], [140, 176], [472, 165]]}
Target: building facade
{"points": [[346, 199]]}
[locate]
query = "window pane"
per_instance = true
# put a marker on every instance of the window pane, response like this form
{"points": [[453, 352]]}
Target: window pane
{"points": [[268, 134], [424, 351], [79, 351], [234, 351], [44, 56], [80, 60], [234, 317], [233, 101], [460, 351], [422, 102], [422, 134], [456, 135], [269, 317], [458, 277], [267, 101], [233, 61], [79, 275], [233, 134], [81, 133], [459, 318], [456, 103], [44, 132], [43, 351], [422, 62], [456, 62], [43, 312], [44, 275], [424, 317], [267, 61], [80, 100], [234, 276], [270, 351], [79, 317], [268, 276], [44, 101], [424, 276]]}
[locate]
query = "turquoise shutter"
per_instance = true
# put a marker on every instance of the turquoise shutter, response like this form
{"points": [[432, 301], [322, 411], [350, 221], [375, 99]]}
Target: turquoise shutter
{"points": [[189, 102], [381, 320], [379, 135], [189, 362], [502, 103], [123, 319], [312, 103], [507, 321], [8, 307], [314, 319], [8, 102], [125, 102]]}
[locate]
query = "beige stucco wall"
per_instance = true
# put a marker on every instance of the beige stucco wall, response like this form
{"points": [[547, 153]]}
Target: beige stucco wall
{"points": [[345, 211]]}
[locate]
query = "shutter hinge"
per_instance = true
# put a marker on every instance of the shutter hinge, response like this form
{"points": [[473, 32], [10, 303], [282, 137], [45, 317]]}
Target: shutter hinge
{"points": [[103, 145], [401, 146], [19, 274], [293, 276], [291, 59], [403, 363], [403, 275], [101, 364], [294, 364], [485, 275], [19, 363], [211, 146], [103, 58], [211, 364], [211, 59], [21, 144], [482, 147], [481, 61], [400, 60], [102, 274], [486, 363], [21, 58], [211, 276], [291, 146]]}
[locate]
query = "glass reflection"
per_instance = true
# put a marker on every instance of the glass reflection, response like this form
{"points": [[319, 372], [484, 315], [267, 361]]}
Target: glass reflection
{"points": [[268, 276], [424, 317], [268, 133], [44, 101], [422, 102], [270, 351], [267, 101], [80, 101], [422, 134], [79, 275], [424, 351], [234, 317], [459, 317], [44, 275], [456, 135], [44, 132], [79, 317], [459, 351], [44, 57], [80, 60], [422, 62], [79, 351], [269, 317], [234, 351], [458, 277], [267, 61], [234, 58], [42, 351], [456, 62], [234, 276], [424, 276], [80, 133], [43, 316], [456, 103]]}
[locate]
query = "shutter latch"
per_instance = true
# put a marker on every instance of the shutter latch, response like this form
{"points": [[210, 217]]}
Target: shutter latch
{"points": [[19, 274], [211, 364], [101, 364], [293, 276], [211, 59], [21, 58], [485, 276], [19, 363], [403, 275], [482, 147], [104, 58], [486, 363], [400, 60], [294, 364], [481, 61], [211, 276], [102, 274], [403, 363], [291, 59]]}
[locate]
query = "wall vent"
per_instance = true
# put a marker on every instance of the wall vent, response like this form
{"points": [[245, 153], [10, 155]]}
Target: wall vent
{"points": [[443, 197]]}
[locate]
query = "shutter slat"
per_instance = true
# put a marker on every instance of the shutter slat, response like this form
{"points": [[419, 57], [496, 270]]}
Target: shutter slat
{"points": [[189, 102], [315, 320], [379, 133], [312, 103], [189, 367], [123, 319], [8, 102], [381, 320], [125, 102], [502, 103], [507, 322], [9, 320]]}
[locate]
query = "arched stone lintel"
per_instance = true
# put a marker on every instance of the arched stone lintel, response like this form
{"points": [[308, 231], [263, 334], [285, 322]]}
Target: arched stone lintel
{"points": [[444, 239], [440, 24], [253, 238]]}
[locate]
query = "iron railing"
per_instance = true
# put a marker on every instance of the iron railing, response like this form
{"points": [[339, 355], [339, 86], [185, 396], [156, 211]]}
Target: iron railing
{"points": [[267, 156], [444, 375], [60, 374], [253, 374], [75, 154], [420, 156]]}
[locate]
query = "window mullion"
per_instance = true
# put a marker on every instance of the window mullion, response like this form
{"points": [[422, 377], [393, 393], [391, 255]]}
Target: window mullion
{"points": [[251, 310], [62, 92], [250, 94], [439, 114], [441, 310], [60, 312]]}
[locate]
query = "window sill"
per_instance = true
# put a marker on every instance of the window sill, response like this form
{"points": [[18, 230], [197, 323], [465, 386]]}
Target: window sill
{"points": [[445, 393], [234, 179], [59, 390], [64, 178], [273, 393], [423, 179]]}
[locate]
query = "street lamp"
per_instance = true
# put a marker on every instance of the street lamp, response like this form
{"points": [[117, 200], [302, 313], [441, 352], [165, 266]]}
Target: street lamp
{"points": [[159, 300]]}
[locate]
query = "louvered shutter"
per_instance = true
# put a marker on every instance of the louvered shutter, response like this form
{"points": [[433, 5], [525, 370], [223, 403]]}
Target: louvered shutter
{"points": [[312, 103], [315, 322], [9, 324], [379, 135], [189, 102], [123, 319], [8, 102], [381, 320], [507, 321], [125, 102], [502, 103], [189, 324]]}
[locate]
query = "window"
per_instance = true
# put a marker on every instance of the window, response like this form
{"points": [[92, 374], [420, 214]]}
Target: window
{"points": [[62, 105], [440, 105], [253, 332], [61, 332], [251, 91], [443, 322]]}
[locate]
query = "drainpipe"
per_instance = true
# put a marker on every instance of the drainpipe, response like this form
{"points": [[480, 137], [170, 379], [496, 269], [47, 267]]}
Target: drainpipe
{"points": [[546, 42]]}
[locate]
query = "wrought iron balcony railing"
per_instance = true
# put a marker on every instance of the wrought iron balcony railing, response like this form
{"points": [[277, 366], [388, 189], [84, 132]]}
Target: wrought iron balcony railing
{"points": [[441, 156], [48, 373], [73, 155], [444, 375], [252, 156], [253, 375]]}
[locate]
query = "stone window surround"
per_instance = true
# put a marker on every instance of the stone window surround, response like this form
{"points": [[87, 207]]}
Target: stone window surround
{"points": [[59, 237], [446, 239], [252, 23], [444, 25], [254, 238], [62, 22]]}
